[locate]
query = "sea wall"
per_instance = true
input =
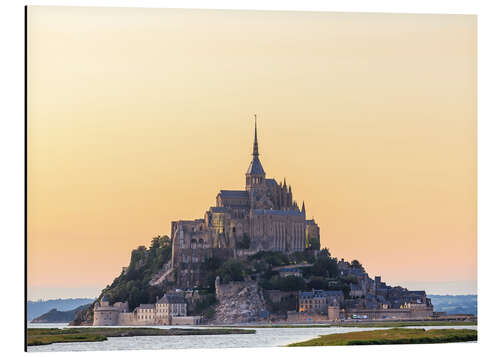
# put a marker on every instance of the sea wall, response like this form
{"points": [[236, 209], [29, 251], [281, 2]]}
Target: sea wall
{"points": [[303, 317], [185, 320], [376, 314]]}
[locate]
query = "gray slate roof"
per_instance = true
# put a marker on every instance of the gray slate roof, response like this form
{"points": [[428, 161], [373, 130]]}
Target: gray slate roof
{"points": [[255, 167], [320, 293], [218, 209], [271, 182], [233, 194], [171, 299], [277, 212]]}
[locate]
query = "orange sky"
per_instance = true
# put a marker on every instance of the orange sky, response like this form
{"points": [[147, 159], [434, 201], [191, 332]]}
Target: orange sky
{"points": [[137, 117]]}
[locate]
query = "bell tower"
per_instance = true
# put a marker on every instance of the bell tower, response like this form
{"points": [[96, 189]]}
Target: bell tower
{"points": [[255, 175]]}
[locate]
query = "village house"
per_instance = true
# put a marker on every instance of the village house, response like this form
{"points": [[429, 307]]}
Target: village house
{"points": [[317, 301]]}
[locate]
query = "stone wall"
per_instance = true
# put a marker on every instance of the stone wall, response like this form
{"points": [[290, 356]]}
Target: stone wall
{"points": [[127, 319], [185, 320], [303, 317], [333, 313], [376, 314], [188, 264]]}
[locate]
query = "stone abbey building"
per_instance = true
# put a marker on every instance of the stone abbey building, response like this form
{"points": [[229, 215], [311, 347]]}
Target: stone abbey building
{"points": [[263, 216]]}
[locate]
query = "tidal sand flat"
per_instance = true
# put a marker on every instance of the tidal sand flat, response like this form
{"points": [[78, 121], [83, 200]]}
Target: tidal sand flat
{"points": [[45, 336], [392, 336]]}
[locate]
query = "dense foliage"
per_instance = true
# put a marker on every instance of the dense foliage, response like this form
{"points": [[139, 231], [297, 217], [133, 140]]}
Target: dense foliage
{"points": [[232, 270], [320, 271], [314, 244], [205, 306], [133, 284], [244, 242], [289, 283]]}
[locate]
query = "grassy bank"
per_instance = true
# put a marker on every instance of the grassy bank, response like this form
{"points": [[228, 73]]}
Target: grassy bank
{"points": [[45, 336], [392, 336]]}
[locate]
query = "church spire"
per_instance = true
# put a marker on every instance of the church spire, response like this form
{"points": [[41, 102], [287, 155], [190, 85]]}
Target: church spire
{"points": [[303, 211], [255, 143], [255, 175]]}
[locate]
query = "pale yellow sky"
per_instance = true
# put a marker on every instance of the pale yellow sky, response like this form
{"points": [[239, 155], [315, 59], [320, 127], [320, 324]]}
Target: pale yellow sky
{"points": [[137, 117]]}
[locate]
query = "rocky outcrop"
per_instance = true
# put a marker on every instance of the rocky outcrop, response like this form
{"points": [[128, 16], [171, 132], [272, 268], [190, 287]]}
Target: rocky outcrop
{"points": [[239, 302], [84, 317]]}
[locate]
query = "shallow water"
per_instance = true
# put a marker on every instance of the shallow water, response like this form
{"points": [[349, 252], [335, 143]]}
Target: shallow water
{"points": [[264, 337]]}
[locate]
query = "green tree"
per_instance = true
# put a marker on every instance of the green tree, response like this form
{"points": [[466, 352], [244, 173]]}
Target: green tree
{"points": [[210, 268], [231, 270], [244, 242], [356, 264], [274, 259], [320, 284], [314, 244]]}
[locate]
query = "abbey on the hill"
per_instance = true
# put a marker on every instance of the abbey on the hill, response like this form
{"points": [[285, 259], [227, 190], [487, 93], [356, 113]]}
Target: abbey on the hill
{"points": [[264, 216]]}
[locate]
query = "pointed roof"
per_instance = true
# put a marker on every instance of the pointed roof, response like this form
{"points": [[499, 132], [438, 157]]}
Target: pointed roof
{"points": [[255, 143], [255, 167]]}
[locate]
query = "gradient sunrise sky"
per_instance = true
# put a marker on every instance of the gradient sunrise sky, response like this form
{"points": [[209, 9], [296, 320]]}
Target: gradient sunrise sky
{"points": [[137, 117]]}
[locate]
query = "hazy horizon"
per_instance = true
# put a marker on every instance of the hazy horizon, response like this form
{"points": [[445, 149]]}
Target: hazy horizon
{"points": [[138, 117]]}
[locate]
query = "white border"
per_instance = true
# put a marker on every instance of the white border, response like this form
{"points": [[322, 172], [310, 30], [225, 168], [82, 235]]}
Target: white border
{"points": [[12, 189]]}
